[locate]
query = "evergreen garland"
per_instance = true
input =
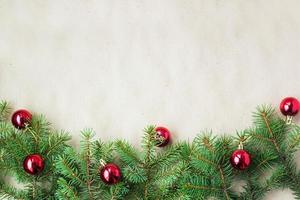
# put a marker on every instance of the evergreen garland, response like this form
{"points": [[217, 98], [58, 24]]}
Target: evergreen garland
{"points": [[183, 171]]}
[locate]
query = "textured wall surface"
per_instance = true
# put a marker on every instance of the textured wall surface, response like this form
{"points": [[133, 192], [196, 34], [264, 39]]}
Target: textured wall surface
{"points": [[116, 65]]}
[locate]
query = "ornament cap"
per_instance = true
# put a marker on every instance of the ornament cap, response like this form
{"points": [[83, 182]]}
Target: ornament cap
{"points": [[289, 119], [102, 162], [241, 146]]}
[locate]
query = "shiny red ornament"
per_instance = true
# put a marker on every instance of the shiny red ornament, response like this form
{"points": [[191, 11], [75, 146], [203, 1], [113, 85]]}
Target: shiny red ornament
{"points": [[110, 174], [34, 164], [20, 118], [164, 136], [289, 106], [240, 159]]}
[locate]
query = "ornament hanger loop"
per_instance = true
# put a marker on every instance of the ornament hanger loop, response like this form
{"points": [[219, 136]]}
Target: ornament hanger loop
{"points": [[289, 119], [102, 162], [241, 146]]}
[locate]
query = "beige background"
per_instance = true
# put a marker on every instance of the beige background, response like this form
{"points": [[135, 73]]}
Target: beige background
{"points": [[118, 65]]}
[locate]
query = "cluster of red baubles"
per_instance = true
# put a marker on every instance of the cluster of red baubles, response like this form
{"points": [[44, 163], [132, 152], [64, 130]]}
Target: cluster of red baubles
{"points": [[111, 174], [241, 159]]}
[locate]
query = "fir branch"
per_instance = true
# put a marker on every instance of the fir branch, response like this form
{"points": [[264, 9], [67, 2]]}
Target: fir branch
{"points": [[277, 131], [148, 142], [267, 123], [87, 135], [294, 138], [66, 191], [103, 150], [4, 110], [208, 160], [127, 153], [224, 184], [56, 142], [206, 141], [166, 177], [8, 192], [135, 174], [200, 170], [18, 140], [201, 187], [201, 158], [68, 169]]}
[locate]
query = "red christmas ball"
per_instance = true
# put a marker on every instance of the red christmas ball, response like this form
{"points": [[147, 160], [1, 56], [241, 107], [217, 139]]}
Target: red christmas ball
{"points": [[110, 174], [289, 106], [20, 118], [240, 159], [33, 164], [164, 136]]}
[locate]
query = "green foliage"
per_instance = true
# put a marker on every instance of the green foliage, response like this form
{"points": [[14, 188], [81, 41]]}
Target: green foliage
{"points": [[4, 110], [182, 171], [273, 143], [210, 173], [16, 144], [79, 172], [152, 173]]}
